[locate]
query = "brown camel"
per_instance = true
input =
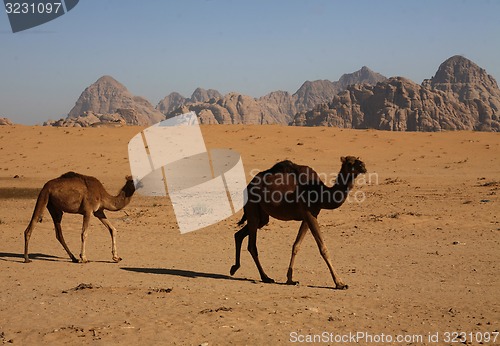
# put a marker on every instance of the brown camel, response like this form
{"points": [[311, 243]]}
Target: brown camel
{"points": [[288, 191], [78, 194]]}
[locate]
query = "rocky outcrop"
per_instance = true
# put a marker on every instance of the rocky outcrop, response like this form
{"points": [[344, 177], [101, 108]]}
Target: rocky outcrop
{"points": [[5, 121], [311, 94], [175, 100], [107, 96], [461, 96], [91, 119], [171, 102], [232, 109], [473, 87], [363, 76], [202, 95], [277, 107]]}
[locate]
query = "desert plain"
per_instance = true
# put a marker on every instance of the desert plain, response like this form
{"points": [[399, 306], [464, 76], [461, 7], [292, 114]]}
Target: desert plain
{"points": [[418, 246]]}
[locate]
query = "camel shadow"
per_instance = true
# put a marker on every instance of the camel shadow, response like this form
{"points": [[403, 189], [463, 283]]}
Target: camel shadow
{"points": [[11, 257], [194, 274], [184, 273]]}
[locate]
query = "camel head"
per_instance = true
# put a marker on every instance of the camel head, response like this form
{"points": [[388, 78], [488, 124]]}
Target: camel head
{"points": [[352, 165], [129, 187]]}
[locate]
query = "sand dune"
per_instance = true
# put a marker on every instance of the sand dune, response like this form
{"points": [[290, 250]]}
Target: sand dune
{"points": [[419, 251]]}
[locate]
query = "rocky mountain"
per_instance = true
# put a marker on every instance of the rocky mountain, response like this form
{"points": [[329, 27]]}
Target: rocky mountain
{"points": [[461, 96], [170, 102], [232, 108], [5, 121], [106, 97], [312, 93], [175, 100], [277, 107], [363, 76], [202, 95]]}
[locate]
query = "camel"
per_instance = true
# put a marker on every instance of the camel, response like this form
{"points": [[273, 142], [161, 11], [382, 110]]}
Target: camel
{"points": [[288, 191], [78, 194]]}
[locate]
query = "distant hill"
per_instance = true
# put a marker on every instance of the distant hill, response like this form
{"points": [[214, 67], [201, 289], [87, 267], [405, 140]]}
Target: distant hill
{"points": [[460, 96], [277, 107], [175, 100], [108, 100], [5, 121]]}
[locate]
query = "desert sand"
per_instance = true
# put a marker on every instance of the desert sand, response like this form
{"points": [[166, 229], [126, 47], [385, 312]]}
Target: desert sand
{"points": [[420, 251]]}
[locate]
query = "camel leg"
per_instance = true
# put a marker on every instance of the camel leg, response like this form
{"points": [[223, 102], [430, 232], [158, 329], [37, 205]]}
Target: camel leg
{"points": [[86, 219], [238, 239], [252, 248], [57, 217], [112, 231], [41, 203], [295, 248], [314, 226], [27, 236]]}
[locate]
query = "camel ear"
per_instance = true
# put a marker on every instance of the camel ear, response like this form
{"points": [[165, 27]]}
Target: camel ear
{"points": [[342, 159]]}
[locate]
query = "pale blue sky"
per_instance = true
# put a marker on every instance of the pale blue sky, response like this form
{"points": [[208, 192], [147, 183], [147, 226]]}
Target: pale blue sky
{"points": [[155, 47]]}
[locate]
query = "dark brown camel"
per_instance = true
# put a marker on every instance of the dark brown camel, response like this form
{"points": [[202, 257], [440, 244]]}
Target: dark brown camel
{"points": [[78, 194], [288, 191]]}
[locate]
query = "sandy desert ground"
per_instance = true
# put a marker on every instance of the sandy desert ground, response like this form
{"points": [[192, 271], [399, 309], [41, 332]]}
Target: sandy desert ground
{"points": [[420, 253]]}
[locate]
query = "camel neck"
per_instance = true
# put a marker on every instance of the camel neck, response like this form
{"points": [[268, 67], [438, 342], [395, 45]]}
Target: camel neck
{"points": [[118, 202], [337, 194]]}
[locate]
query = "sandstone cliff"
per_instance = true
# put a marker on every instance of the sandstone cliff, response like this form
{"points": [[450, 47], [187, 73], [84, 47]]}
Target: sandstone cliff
{"points": [[175, 100], [107, 96], [461, 96], [5, 121], [277, 107]]}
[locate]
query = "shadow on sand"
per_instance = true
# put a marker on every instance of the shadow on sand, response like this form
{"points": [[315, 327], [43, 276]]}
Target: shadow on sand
{"points": [[193, 274], [185, 273], [12, 257]]}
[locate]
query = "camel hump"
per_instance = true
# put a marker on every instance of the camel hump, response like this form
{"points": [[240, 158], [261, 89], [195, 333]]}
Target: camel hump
{"points": [[305, 173], [286, 166], [68, 175], [85, 178]]}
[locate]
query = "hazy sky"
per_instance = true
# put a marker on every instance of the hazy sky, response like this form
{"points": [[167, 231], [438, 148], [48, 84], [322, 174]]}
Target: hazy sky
{"points": [[155, 47]]}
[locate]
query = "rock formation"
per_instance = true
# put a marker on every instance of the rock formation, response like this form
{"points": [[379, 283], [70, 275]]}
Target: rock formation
{"points": [[277, 107], [461, 96], [108, 96], [311, 94], [233, 109], [96, 120], [202, 95], [5, 121], [175, 100], [170, 102]]}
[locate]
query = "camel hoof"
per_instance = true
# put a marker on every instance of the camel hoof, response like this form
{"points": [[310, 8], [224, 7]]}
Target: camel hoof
{"points": [[292, 283], [342, 287], [26, 260], [117, 259], [234, 268], [75, 260], [268, 280], [83, 260]]}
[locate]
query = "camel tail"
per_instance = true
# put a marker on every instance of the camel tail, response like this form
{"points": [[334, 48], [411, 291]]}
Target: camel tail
{"points": [[41, 204], [243, 219]]}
